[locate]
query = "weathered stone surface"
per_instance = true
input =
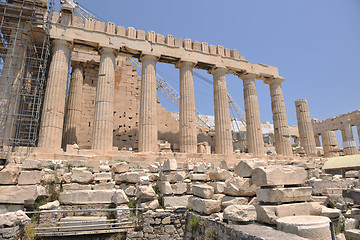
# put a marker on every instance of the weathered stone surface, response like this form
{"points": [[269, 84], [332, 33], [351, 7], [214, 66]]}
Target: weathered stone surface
{"points": [[170, 165], [198, 177], [102, 177], [219, 187], [120, 167], [165, 188], [119, 197], [200, 168], [352, 174], [13, 218], [245, 167], [311, 227], [145, 192], [351, 223], [31, 164], [331, 213], [219, 174], [20, 194], [76, 186], [275, 175], [81, 175], [240, 213], [229, 200], [352, 234], [269, 214], [203, 191], [179, 188], [104, 186], [29, 178], [144, 180], [10, 174], [152, 205], [130, 177], [176, 201], [50, 205], [205, 206], [320, 186], [239, 186], [86, 196], [130, 190], [278, 195]]}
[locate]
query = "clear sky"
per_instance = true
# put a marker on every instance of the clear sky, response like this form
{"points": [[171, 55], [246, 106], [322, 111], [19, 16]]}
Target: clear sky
{"points": [[314, 43]]}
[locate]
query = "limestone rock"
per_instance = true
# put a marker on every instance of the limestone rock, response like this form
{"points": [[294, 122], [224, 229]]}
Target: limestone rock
{"points": [[130, 177], [81, 175], [200, 168], [29, 178], [50, 205], [145, 192], [276, 175], [279, 195], [331, 213], [152, 205], [104, 186], [245, 167], [203, 191], [102, 177], [20, 194], [179, 188], [240, 213], [144, 180], [165, 188], [121, 167], [119, 197], [199, 177], [130, 190], [219, 174], [29, 164], [205, 206], [170, 165], [219, 187], [176, 201], [229, 200], [76, 186], [86, 196], [239, 186], [10, 174], [11, 219]]}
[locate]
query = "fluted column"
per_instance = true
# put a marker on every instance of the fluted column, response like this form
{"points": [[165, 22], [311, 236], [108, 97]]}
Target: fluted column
{"points": [[223, 137], [188, 136], [349, 145], [254, 135], [281, 128], [102, 135], [148, 106], [73, 110], [330, 145], [306, 132], [54, 103]]}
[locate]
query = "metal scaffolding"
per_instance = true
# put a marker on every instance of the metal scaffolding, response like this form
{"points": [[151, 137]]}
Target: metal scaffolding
{"points": [[24, 56]]}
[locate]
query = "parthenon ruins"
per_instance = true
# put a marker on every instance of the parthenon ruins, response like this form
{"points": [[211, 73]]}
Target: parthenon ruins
{"points": [[88, 148]]}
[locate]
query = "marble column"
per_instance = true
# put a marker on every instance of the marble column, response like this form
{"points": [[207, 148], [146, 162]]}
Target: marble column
{"points": [[73, 111], [188, 134], [223, 136], [358, 131], [102, 135], [330, 145], [281, 128], [11, 82], [52, 119], [306, 132], [349, 145], [254, 135], [148, 105]]}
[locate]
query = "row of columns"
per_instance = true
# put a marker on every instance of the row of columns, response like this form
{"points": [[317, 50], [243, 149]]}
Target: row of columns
{"points": [[102, 136]]}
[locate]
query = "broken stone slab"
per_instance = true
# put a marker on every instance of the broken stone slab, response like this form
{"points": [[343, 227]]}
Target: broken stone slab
{"points": [[320, 186], [130, 190], [245, 167], [352, 174], [331, 213], [29, 164], [269, 213], [145, 192], [240, 213], [238, 186], [120, 167], [176, 201], [76, 186], [150, 205], [179, 188], [219, 187], [102, 177], [199, 177], [219, 174], [352, 234], [29, 177], [229, 200], [203, 191], [169, 165], [144, 180], [165, 188], [200, 168], [276, 175], [281, 195], [81, 175], [11, 219], [50, 205], [130, 177], [104, 186], [86, 196], [20, 194], [351, 223], [310, 227], [9, 174], [205, 206], [119, 197]]}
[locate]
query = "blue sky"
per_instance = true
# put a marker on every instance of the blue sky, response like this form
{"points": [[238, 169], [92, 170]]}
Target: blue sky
{"points": [[315, 45]]}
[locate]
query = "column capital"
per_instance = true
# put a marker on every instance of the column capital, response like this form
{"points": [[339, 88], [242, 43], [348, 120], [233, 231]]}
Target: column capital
{"points": [[62, 42], [77, 64], [148, 56], [274, 80], [247, 76], [182, 63], [218, 69], [104, 50]]}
